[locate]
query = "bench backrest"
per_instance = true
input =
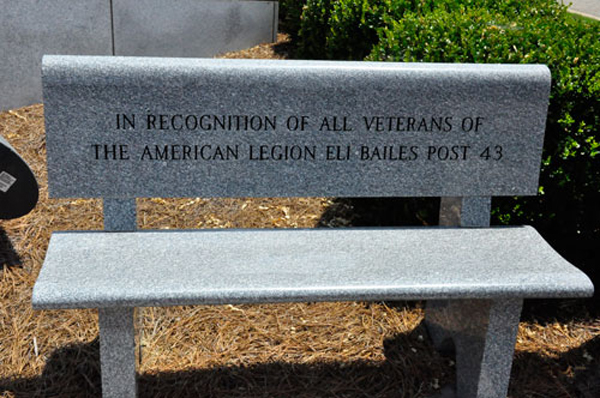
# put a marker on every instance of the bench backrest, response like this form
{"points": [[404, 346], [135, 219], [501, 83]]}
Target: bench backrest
{"points": [[121, 128]]}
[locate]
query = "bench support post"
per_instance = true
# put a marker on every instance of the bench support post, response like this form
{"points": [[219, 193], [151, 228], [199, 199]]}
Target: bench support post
{"points": [[117, 353], [117, 333], [483, 334], [470, 211], [119, 215]]}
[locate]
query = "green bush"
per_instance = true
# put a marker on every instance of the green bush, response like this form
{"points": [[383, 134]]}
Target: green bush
{"points": [[290, 13], [570, 180], [347, 29], [353, 26], [314, 28]]}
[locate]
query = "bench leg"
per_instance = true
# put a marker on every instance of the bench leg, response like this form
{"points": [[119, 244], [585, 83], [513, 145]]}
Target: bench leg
{"points": [[117, 352], [483, 334]]}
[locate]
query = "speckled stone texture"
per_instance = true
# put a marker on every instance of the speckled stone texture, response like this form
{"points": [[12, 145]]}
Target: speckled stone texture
{"points": [[483, 335], [191, 28], [161, 268], [117, 352], [480, 332], [119, 215], [465, 212], [31, 28], [84, 95]]}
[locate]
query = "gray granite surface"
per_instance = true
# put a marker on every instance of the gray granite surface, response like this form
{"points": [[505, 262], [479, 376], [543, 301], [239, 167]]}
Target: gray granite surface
{"points": [[161, 268], [191, 28], [200, 127], [482, 333], [31, 28], [119, 215], [117, 352], [588, 8], [471, 211]]}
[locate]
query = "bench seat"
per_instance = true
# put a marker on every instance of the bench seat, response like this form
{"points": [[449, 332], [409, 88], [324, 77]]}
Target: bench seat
{"points": [[161, 268]]}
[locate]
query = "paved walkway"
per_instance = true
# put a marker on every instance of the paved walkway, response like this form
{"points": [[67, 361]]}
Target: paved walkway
{"points": [[588, 8]]}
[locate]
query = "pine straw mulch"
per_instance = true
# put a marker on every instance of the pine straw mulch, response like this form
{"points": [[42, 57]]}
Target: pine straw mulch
{"points": [[303, 350]]}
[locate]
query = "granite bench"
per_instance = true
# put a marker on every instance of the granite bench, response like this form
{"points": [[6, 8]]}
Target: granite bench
{"points": [[122, 128]]}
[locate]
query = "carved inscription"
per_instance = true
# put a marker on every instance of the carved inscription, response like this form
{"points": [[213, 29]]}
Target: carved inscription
{"points": [[156, 127], [396, 147]]}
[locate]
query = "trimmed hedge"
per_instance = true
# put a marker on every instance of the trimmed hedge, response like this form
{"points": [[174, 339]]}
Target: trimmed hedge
{"points": [[347, 29], [570, 179], [353, 26], [314, 28]]}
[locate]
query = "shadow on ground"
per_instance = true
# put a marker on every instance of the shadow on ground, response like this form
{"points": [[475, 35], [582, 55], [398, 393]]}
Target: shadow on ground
{"points": [[8, 256], [74, 371]]}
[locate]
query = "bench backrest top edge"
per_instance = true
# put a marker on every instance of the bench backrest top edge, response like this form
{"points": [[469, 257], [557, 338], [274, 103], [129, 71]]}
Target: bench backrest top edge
{"points": [[126, 127]]}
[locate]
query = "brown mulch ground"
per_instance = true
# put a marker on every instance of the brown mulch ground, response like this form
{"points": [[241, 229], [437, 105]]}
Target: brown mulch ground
{"points": [[303, 350]]}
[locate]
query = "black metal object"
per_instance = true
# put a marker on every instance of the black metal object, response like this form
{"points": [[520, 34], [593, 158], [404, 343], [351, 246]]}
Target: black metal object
{"points": [[18, 188]]}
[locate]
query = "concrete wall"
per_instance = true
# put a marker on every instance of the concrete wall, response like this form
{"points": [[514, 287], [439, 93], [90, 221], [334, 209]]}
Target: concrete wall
{"points": [[588, 8], [191, 27], [176, 28], [30, 28]]}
